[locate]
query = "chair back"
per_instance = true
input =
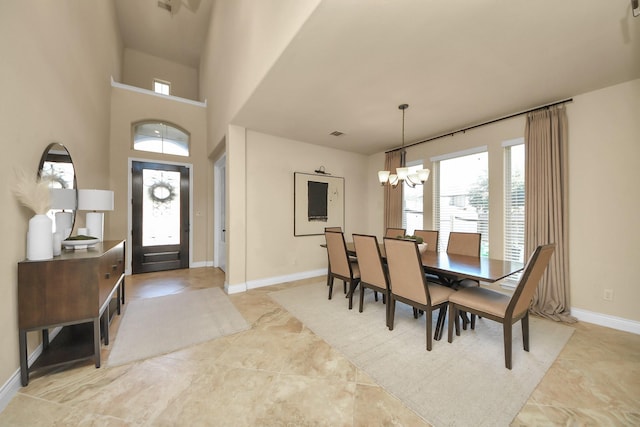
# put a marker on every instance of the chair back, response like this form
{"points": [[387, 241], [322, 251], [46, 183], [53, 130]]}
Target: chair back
{"points": [[337, 250], [394, 232], [406, 276], [333, 229], [430, 237], [529, 280], [369, 261], [464, 243]]}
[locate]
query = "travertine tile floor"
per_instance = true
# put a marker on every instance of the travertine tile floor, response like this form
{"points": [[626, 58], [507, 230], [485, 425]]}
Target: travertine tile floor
{"points": [[279, 374]]}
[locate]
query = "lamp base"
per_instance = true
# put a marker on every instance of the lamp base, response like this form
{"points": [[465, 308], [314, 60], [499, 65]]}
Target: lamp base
{"points": [[95, 224]]}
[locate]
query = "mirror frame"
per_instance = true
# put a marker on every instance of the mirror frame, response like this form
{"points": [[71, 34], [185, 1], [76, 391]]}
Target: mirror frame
{"points": [[46, 155]]}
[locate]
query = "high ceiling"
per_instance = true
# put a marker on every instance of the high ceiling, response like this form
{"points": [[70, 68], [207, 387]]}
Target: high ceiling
{"points": [[456, 63]]}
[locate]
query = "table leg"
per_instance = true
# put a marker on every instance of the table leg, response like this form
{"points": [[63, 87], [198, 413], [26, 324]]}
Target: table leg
{"points": [[96, 341], [24, 363]]}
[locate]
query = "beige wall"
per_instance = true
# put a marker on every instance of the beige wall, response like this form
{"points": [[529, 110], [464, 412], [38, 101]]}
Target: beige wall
{"points": [[604, 199], [272, 250], [604, 239], [245, 38], [57, 60], [139, 69], [129, 106]]}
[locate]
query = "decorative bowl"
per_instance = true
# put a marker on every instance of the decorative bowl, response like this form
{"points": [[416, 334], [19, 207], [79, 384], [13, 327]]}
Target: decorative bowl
{"points": [[79, 244]]}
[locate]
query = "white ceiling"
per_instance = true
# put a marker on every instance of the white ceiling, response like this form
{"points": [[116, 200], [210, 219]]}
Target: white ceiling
{"points": [[456, 63]]}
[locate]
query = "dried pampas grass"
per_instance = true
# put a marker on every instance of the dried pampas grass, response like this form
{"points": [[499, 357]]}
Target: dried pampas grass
{"points": [[32, 193]]}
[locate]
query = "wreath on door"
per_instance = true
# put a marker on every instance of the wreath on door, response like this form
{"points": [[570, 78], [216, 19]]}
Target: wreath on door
{"points": [[162, 192]]}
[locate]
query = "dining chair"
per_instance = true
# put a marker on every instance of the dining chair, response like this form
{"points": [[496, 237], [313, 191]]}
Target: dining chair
{"points": [[430, 237], [409, 285], [340, 266], [502, 308], [394, 232], [373, 274], [333, 229]]}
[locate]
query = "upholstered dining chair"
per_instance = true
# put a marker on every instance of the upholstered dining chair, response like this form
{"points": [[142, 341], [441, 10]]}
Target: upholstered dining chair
{"points": [[333, 229], [502, 308], [340, 266], [430, 237], [409, 285], [373, 274], [394, 232]]}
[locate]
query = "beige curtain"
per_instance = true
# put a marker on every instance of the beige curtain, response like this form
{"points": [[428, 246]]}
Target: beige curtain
{"points": [[546, 219], [393, 196]]}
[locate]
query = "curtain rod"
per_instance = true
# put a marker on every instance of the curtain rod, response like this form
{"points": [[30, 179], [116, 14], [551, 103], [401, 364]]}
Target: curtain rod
{"points": [[564, 101]]}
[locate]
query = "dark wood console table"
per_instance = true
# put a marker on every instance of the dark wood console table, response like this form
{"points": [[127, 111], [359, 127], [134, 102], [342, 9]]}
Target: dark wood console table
{"points": [[72, 291]]}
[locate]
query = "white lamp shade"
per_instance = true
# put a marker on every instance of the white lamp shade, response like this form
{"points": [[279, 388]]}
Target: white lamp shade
{"points": [[423, 174], [402, 173], [62, 198], [95, 200], [383, 176]]}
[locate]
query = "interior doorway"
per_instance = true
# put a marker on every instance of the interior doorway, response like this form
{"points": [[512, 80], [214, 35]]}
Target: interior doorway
{"points": [[159, 216], [220, 213]]}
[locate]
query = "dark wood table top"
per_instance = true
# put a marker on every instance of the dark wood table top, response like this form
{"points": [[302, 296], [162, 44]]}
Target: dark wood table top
{"points": [[478, 268]]}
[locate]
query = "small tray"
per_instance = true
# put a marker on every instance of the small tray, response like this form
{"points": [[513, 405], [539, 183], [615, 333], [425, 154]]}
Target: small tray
{"points": [[79, 244]]}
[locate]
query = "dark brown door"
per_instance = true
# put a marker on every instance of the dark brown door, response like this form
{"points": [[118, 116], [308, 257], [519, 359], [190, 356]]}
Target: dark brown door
{"points": [[160, 217]]}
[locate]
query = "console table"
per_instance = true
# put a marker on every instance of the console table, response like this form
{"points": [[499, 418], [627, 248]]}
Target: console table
{"points": [[72, 291]]}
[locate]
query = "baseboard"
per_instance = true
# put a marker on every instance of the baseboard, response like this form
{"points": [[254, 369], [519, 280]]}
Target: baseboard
{"points": [[201, 264], [270, 281], [606, 320], [10, 388]]}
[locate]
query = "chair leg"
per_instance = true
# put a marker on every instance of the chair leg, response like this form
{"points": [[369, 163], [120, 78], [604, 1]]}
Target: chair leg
{"points": [[506, 328], [330, 283], [429, 328], [352, 289], [361, 297], [344, 285], [473, 321], [375, 295], [525, 331], [385, 297], [415, 313], [392, 311]]}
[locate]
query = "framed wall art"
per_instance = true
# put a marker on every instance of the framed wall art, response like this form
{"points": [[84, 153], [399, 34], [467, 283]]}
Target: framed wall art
{"points": [[318, 202]]}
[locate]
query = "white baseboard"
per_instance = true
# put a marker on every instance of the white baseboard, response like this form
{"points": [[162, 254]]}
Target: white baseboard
{"points": [[607, 320], [14, 383], [201, 264], [270, 281]]}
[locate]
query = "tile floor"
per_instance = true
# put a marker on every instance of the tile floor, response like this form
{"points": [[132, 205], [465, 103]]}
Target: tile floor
{"points": [[279, 373]]}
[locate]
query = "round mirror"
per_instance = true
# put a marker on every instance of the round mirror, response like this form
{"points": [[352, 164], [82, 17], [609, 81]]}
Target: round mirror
{"points": [[56, 166]]}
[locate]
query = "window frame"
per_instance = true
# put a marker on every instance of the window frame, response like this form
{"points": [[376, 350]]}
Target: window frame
{"points": [[162, 83]]}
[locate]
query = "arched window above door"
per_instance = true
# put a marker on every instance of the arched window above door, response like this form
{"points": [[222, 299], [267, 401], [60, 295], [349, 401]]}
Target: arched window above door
{"points": [[160, 137]]}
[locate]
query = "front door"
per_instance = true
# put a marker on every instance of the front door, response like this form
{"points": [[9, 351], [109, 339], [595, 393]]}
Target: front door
{"points": [[160, 217]]}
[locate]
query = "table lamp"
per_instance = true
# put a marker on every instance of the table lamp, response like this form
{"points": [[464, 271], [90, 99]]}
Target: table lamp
{"points": [[95, 201], [63, 199]]}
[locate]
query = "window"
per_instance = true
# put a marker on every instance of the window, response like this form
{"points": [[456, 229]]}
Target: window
{"points": [[514, 204], [159, 137], [461, 195], [161, 87], [412, 204]]}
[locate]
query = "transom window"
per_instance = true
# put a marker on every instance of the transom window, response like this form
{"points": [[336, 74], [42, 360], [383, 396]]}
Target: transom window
{"points": [[160, 137], [162, 87]]}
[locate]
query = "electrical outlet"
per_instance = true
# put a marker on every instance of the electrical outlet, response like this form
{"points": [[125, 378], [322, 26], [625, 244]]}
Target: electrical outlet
{"points": [[608, 295]]}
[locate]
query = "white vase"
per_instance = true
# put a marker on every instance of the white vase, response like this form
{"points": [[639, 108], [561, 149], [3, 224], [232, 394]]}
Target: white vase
{"points": [[40, 238]]}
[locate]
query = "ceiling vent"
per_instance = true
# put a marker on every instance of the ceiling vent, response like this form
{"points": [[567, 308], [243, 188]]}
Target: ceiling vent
{"points": [[336, 133]]}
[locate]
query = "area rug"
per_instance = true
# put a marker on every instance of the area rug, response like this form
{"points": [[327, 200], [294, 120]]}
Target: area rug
{"points": [[459, 384], [155, 326]]}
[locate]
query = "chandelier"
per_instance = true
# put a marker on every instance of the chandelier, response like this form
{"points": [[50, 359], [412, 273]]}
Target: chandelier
{"points": [[402, 174]]}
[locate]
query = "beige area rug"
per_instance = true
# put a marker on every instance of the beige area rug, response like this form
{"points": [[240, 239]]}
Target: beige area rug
{"points": [[155, 326], [463, 383]]}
